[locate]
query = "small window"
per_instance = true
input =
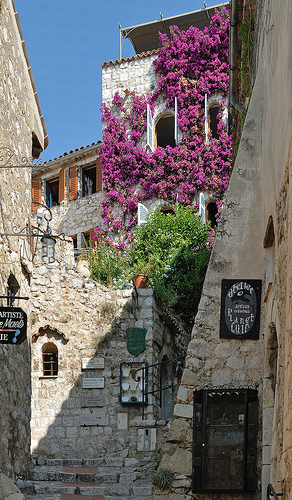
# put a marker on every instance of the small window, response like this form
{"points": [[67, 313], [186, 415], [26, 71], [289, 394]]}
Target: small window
{"points": [[167, 211], [212, 212], [50, 360], [53, 193], [214, 121], [225, 440], [89, 180], [165, 131]]}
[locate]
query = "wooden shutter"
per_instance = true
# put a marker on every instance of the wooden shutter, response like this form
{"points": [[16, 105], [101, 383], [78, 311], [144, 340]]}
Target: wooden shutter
{"points": [[73, 183], [206, 118], [175, 120], [149, 128], [142, 214], [92, 241], [202, 207], [61, 194], [98, 175], [36, 193]]}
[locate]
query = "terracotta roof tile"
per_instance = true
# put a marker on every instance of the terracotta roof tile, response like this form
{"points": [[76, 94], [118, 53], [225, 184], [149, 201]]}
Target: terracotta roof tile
{"points": [[128, 59], [99, 143]]}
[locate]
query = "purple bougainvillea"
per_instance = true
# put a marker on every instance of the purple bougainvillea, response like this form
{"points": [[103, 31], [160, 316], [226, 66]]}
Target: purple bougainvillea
{"points": [[189, 65]]}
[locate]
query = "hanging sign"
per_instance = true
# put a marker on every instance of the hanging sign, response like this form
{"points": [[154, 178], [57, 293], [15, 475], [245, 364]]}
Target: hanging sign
{"points": [[13, 325], [240, 309], [136, 340]]}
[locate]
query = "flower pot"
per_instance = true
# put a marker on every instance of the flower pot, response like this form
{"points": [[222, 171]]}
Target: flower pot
{"points": [[140, 280]]}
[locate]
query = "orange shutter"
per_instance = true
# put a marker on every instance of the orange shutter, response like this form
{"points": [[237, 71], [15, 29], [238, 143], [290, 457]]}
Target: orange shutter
{"points": [[98, 175], [61, 194], [36, 193], [92, 241], [73, 183]]}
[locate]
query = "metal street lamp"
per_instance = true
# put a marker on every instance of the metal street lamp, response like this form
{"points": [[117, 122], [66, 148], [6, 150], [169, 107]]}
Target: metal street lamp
{"points": [[48, 240]]}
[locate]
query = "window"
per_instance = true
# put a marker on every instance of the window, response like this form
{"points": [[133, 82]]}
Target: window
{"points": [[87, 239], [225, 438], [213, 120], [50, 360], [167, 211], [212, 212], [164, 130], [88, 180], [53, 193], [55, 189]]}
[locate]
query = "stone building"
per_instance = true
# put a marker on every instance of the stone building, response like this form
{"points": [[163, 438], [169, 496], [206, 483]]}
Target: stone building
{"points": [[251, 249], [71, 186], [22, 138]]}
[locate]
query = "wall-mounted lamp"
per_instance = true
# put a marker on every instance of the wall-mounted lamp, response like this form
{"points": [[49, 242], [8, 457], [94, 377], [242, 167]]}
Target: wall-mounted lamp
{"points": [[48, 240]]}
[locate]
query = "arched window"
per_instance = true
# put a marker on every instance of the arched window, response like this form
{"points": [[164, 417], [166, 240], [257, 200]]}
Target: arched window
{"points": [[165, 131], [167, 210], [211, 213], [50, 360], [213, 120]]}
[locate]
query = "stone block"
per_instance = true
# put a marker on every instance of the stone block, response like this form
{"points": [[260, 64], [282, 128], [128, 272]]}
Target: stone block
{"points": [[179, 460], [180, 431], [181, 410]]}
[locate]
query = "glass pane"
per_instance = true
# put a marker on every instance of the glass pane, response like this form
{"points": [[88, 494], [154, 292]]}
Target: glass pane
{"points": [[198, 441], [224, 464], [251, 442]]}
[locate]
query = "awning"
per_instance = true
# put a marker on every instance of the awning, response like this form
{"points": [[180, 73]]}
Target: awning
{"points": [[145, 37]]}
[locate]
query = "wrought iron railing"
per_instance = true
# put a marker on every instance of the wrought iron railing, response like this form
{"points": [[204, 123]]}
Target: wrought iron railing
{"points": [[271, 494], [145, 391]]}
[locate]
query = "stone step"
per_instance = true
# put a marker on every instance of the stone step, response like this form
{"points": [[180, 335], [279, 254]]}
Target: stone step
{"points": [[105, 478], [50, 488]]}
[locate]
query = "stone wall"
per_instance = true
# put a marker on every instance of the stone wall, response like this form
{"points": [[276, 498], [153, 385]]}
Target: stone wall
{"points": [[20, 118], [213, 362], [85, 320]]}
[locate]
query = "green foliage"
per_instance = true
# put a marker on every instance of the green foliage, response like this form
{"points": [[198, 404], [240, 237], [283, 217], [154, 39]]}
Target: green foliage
{"points": [[109, 266], [162, 478], [174, 247], [173, 250]]}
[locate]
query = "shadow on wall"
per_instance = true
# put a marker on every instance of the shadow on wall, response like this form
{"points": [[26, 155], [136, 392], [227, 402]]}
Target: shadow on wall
{"points": [[76, 408]]}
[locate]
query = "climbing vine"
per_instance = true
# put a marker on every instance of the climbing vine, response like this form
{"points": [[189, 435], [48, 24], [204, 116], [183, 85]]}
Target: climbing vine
{"points": [[189, 65]]}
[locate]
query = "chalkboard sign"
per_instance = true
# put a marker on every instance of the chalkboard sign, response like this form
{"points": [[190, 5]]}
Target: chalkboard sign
{"points": [[240, 309], [13, 325]]}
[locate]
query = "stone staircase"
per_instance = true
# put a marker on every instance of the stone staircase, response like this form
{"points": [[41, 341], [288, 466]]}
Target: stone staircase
{"points": [[107, 478]]}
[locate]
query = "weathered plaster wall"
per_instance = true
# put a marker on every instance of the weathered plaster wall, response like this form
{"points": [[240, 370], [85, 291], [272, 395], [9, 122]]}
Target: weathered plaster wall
{"points": [[19, 117]]}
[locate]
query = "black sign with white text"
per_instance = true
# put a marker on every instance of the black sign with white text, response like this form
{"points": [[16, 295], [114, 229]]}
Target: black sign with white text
{"points": [[240, 309], [13, 325]]}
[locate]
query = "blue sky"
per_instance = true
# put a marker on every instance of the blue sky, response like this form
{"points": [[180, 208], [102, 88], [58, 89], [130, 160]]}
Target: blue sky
{"points": [[67, 42]]}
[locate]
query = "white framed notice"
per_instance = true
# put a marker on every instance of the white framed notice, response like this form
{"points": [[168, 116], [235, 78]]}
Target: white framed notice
{"points": [[93, 383], [92, 363]]}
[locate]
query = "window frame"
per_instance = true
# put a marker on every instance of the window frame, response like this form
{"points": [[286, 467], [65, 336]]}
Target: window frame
{"points": [[201, 445], [54, 363]]}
